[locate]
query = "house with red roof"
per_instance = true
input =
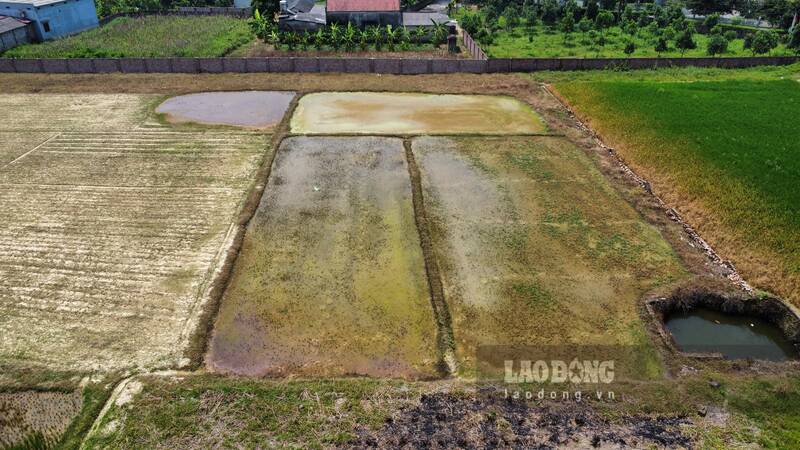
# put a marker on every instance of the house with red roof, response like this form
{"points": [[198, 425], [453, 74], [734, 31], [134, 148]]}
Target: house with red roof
{"points": [[365, 13]]}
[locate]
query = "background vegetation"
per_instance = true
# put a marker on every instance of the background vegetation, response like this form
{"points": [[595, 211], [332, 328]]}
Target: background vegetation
{"points": [[151, 36], [335, 37], [614, 28]]}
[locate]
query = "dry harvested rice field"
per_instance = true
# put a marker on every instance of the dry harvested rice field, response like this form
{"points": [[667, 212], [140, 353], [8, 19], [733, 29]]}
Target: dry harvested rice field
{"points": [[391, 241], [112, 227]]}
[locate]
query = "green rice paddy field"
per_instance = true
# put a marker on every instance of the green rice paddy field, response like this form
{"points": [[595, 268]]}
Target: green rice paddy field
{"points": [[725, 152]]}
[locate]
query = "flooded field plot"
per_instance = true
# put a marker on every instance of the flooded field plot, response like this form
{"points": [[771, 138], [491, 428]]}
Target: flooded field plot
{"points": [[248, 109], [331, 277], [399, 113], [110, 229], [534, 246]]}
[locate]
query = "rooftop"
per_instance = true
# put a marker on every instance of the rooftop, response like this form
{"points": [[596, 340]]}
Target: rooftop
{"points": [[11, 23], [363, 5], [34, 3]]}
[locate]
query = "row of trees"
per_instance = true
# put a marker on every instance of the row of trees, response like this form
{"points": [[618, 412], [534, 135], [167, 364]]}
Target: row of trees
{"points": [[663, 27], [782, 13], [336, 37]]}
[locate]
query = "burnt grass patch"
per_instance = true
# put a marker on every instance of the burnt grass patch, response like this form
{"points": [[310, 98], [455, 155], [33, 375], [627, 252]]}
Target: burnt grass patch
{"points": [[488, 420]]}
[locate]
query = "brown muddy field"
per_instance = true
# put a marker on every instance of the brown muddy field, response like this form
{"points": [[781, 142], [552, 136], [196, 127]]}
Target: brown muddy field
{"points": [[331, 278], [536, 248], [248, 109], [406, 113]]}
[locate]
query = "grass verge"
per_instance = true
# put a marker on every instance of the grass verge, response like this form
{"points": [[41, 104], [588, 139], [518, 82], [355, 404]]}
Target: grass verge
{"points": [[724, 152]]}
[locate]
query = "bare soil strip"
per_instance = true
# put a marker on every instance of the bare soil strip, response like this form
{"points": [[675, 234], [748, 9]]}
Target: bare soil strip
{"points": [[535, 248], [331, 278]]}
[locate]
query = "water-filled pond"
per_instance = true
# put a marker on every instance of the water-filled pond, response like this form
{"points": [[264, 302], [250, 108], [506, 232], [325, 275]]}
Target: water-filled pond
{"points": [[735, 337], [248, 109]]}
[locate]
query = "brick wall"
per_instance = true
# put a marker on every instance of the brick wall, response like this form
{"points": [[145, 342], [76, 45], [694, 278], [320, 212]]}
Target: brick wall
{"points": [[366, 65]]}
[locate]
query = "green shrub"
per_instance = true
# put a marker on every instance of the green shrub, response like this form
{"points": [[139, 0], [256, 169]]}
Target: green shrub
{"points": [[605, 19], [747, 43], [764, 42], [630, 47], [717, 45], [730, 35], [661, 45], [711, 21], [685, 41]]}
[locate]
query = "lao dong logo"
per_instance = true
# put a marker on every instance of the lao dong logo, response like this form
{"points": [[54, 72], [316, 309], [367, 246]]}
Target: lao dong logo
{"points": [[556, 371], [575, 372]]}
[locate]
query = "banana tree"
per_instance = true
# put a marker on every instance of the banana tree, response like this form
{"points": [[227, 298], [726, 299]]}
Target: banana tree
{"points": [[404, 36], [391, 36], [259, 25], [419, 35], [350, 36], [304, 39], [376, 34], [363, 39], [319, 39], [274, 38], [440, 33], [335, 36]]}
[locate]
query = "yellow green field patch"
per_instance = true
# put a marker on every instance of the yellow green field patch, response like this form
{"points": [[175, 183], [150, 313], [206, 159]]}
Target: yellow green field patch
{"points": [[407, 113], [536, 248]]}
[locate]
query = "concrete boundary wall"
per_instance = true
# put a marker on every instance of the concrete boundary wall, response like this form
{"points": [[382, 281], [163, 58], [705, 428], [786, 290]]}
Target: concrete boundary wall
{"points": [[366, 65], [472, 45]]}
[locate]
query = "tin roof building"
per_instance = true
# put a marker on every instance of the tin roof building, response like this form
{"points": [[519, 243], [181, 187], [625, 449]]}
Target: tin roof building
{"points": [[53, 18]]}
